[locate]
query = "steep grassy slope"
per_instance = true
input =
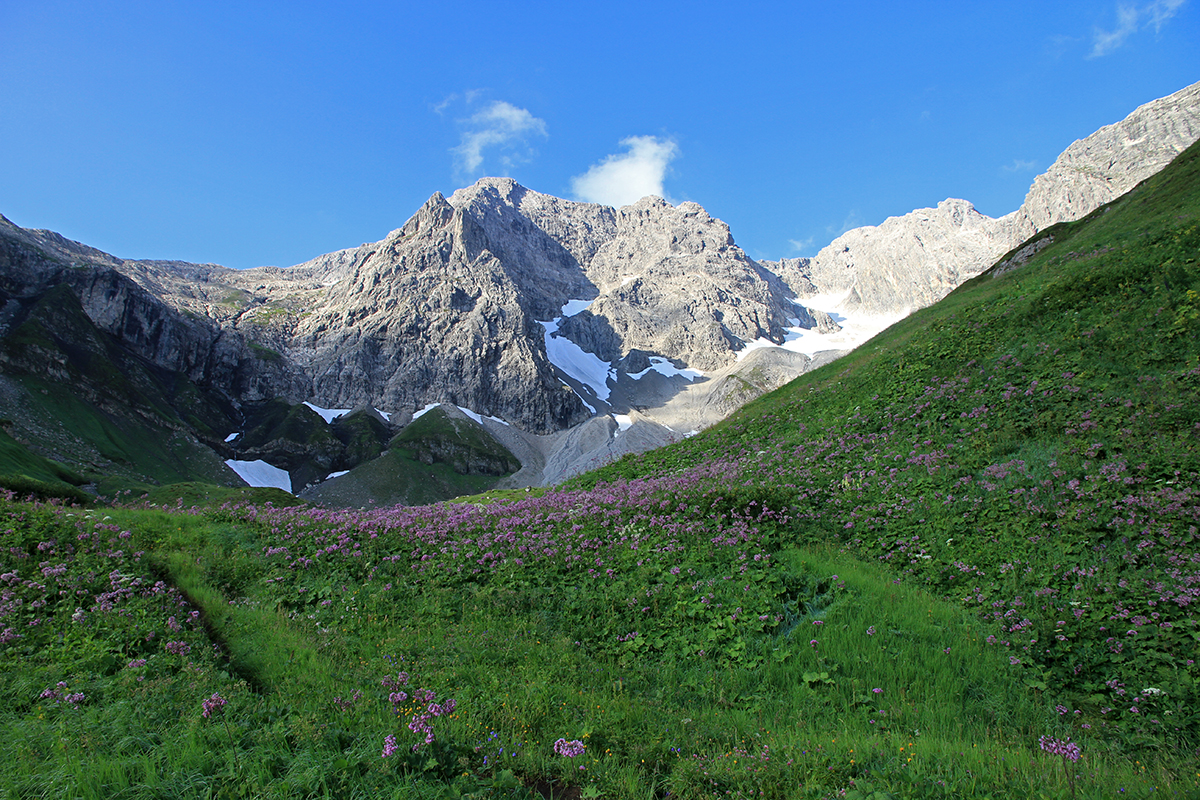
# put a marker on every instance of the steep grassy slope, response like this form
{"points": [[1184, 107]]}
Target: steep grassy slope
{"points": [[962, 562], [1029, 447]]}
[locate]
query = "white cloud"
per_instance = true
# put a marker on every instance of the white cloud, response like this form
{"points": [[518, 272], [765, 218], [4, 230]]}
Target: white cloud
{"points": [[801, 245], [852, 221], [1020, 165], [1129, 19], [1104, 42], [620, 180], [499, 127], [1162, 10]]}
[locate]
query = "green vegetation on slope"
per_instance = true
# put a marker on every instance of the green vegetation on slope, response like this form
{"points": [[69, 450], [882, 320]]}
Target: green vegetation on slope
{"points": [[436, 437], [111, 416], [436, 457], [17, 462]]}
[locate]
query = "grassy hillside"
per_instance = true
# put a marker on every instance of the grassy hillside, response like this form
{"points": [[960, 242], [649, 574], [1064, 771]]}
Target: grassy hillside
{"points": [[961, 562], [434, 458]]}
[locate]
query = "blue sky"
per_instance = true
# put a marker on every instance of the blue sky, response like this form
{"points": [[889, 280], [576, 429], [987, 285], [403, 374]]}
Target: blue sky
{"points": [[248, 134]]}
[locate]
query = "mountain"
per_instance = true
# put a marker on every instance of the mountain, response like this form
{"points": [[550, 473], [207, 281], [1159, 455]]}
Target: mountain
{"points": [[913, 260], [565, 334]]}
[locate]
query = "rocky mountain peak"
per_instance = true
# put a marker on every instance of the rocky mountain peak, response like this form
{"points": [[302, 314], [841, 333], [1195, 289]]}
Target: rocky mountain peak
{"points": [[1110, 162], [434, 214], [915, 259]]}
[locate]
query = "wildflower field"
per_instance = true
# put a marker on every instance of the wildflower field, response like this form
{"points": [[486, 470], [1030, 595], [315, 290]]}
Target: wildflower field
{"points": [[963, 561]]}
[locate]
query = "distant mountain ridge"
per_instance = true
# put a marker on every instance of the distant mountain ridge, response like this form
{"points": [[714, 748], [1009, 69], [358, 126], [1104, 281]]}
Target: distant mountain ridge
{"points": [[913, 260], [572, 332]]}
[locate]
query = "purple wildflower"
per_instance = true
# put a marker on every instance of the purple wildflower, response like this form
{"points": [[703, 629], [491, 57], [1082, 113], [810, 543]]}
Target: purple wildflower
{"points": [[569, 749], [1060, 747], [212, 705], [389, 746]]}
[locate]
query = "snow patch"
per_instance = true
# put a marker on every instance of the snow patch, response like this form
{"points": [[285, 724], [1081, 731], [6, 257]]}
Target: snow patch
{"points": [[664, 367], [573, 307], [624, 422], [425, 410], [232, 436], [329, 414], [587, 368], [857, 328], [261, 474], [387, 415], [480, 417], [333, 475]]}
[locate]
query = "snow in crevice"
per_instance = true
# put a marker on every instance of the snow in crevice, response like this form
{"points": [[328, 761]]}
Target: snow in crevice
{"points": [[573, 360], [329, 414], [624, 422], [232, 436], [333, 475], [582, 399], [261, 474], [387, 415]]}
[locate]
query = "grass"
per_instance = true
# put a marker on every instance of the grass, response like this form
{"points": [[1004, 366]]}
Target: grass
{"points": [[891, 578], [111, 415], [399, 476], [17, 462]]}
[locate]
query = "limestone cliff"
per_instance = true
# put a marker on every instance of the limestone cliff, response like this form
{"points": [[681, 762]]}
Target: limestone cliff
{"points": [[915, 259]]}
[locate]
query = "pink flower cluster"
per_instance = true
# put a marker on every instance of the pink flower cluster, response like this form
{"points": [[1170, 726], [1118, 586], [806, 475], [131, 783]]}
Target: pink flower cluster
{"points": [[569, 749], [212, 705], [419, 724], [1060, 747]]}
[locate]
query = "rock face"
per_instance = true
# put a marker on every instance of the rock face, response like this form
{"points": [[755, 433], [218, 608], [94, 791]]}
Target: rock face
{"points": [[33, 263], [914, 260], [672, 282], [447, 308], [1109, 163], [909, 261]]}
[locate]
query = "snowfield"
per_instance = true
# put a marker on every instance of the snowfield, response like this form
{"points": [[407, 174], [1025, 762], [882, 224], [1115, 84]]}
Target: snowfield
{"points": [[261, 474]]}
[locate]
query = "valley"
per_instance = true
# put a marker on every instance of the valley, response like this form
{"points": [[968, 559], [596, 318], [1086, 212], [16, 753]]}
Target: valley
{"points": [[960, 560]]}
